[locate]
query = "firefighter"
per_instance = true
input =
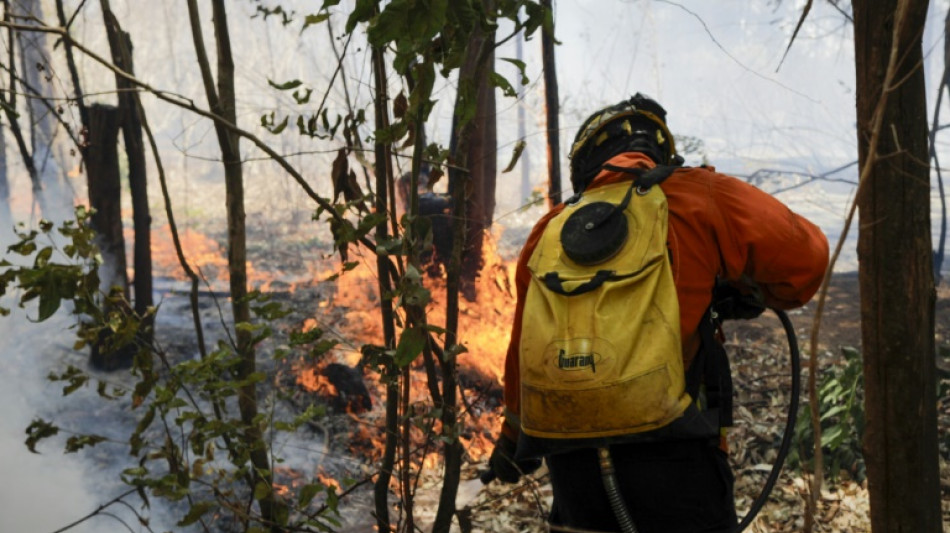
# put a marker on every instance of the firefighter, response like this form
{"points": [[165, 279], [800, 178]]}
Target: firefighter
{"points": [[720, 232]]}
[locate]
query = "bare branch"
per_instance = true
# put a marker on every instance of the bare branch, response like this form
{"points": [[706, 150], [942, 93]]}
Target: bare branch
{"points": [[189, 105], [798, 27]]}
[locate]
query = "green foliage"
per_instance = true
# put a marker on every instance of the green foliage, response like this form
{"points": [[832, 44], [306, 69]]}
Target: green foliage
{"points": [[424, 36], [38, 430], [49, 280], [187, 443], [841, 408]]}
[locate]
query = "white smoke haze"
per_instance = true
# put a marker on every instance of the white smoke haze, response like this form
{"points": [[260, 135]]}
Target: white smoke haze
{"points": [[48, 491]]}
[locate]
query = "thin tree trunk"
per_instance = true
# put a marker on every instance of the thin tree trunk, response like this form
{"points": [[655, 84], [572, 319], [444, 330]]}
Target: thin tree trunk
{"points": [[71, 65], [525, 158], [896, 268], [381, 488], [9, 104], [6, 213], [551, 106], [452, 453], [121, 46], [35, 68], [221, 101]]}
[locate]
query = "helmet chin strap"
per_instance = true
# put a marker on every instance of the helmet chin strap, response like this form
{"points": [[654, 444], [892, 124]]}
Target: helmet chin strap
{"points": [[643, 143]]}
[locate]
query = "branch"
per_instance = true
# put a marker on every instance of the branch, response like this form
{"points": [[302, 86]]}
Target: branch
{"points": [[798, 27], [98, 510], [187, 104]]}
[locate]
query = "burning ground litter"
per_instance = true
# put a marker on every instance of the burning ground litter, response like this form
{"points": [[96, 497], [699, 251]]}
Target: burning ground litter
{"points": [[342, 448]]}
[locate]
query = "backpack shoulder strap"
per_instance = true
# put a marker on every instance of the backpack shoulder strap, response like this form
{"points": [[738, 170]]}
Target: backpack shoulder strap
{"points": [[646, 178], [711, 373]]}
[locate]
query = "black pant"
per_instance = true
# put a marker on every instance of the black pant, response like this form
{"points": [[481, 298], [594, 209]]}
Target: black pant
{"points": [[671, 487]]}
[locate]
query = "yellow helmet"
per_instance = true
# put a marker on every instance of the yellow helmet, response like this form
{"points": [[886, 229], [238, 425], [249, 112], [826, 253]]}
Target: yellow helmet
{"points": [[634, 125]]}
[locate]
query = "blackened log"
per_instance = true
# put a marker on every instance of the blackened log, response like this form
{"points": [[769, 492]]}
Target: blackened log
{"points": [[102, 174]]}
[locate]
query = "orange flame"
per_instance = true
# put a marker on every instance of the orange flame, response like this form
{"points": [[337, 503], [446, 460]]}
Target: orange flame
{"points": [[484, 329]]}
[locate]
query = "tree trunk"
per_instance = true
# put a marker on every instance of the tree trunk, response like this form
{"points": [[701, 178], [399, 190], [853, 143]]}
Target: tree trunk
{"points": [[896, 269], [472, 75], [221, 100], [101, 156], [551, 106], [35, 73], [388, 461], [481, 157], [120, 45], [6, 214], [105, 191]]}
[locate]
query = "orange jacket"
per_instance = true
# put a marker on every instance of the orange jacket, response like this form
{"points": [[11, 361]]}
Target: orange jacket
{"points": [[720, 227]]}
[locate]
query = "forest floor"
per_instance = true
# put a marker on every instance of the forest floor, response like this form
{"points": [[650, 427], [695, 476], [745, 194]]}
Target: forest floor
{"points": [[759, 354]]}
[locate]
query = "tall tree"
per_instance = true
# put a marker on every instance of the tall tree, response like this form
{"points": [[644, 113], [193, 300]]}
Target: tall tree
{"points": [[120, 45], [896, 268], [481, 152], [551, 105], [221, 101]]}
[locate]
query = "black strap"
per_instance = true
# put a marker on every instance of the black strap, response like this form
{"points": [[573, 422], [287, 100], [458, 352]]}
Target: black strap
{"points": [[713, 362], [646, 178], [553, 282]]}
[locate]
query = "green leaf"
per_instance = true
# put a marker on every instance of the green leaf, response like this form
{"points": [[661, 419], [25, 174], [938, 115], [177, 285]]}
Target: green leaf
{"points": [[362, 12], [832, 437], [502, 83], [310, 20], [38, 430], [197, 510], [279, 127], [49, 300], [515, 155], [520, 65], [411, 343], [304, 97], [453, 351], [293, 84], [42, 258], [307, 493], [78, 442], [262, 490], [833, 412]]}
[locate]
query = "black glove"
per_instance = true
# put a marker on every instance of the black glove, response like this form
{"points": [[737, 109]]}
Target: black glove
{"points": [[504, 465], [731, 304]]}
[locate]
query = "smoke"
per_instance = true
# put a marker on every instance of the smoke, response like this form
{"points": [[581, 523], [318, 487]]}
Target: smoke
{"points": [[50, 490], [46, 491]]}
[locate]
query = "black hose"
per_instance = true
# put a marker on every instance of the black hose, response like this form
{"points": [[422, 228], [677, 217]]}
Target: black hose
{"points": [[789, 423], [613, 492]]}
